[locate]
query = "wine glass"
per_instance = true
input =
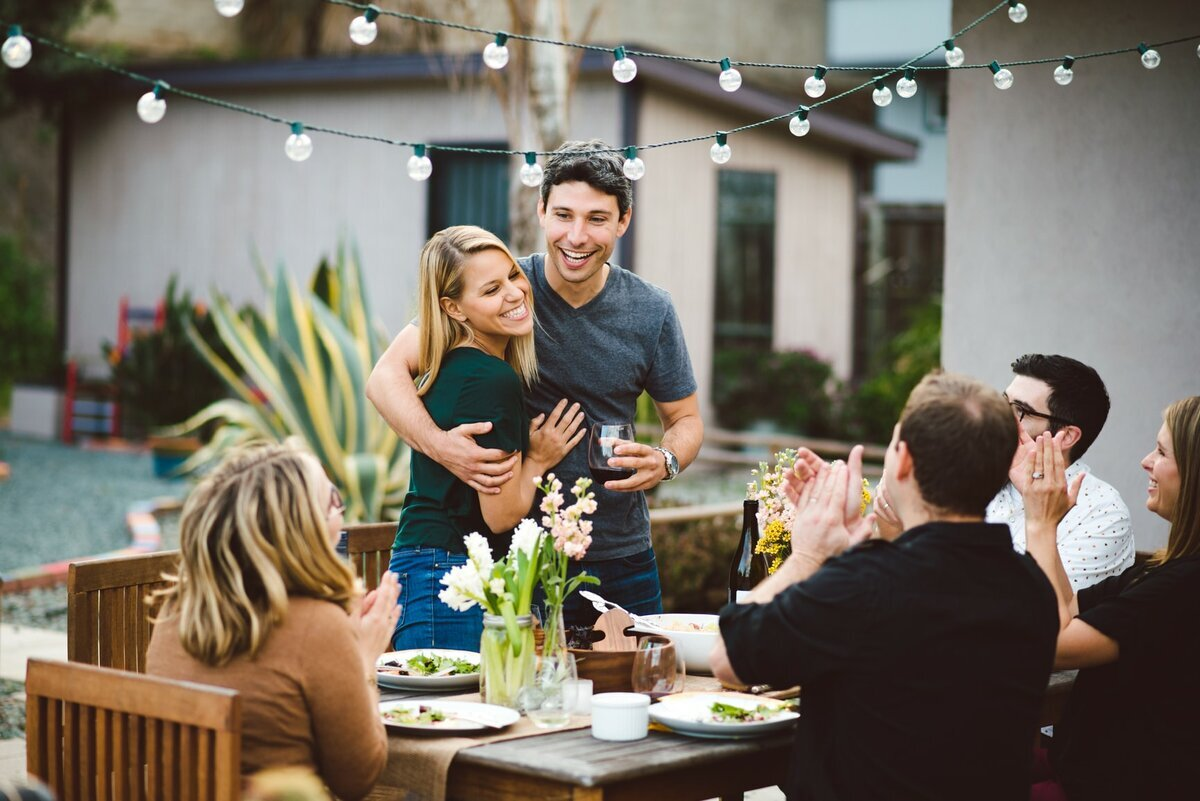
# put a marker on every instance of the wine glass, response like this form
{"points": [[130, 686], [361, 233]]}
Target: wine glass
{"points": [[550, 700], [658, 667], [605, 437]]}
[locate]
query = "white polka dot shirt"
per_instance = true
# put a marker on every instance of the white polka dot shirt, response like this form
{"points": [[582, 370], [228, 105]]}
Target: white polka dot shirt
{"points": [[1094, 539]]}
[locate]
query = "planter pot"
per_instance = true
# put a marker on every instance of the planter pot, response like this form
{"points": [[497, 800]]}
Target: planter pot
{"points": [[168, 453], [36, 411]]}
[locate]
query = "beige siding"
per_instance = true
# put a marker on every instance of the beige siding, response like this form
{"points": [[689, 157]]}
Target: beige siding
{"points": [[197, 192], [676, 215]]}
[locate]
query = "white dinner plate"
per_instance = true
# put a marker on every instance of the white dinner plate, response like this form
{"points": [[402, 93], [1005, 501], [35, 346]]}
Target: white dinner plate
{"points": [[461, 716], [401, 682], [690, 714]]}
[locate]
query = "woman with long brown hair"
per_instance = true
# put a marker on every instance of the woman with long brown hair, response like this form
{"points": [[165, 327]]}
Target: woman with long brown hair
{"points": [[1131, 725], [263, 605]]}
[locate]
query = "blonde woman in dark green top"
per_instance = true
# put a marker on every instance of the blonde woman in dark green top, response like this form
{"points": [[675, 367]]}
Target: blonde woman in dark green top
{"points": [[476, 322]]}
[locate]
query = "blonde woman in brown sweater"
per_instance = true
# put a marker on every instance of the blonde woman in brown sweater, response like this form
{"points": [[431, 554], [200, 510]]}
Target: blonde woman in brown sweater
{"points": [[263, 605]]}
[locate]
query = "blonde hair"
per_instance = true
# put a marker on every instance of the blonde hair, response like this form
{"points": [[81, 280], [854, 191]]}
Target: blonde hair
{"points": [[441, 276], [253, 532], [1183, 422]]}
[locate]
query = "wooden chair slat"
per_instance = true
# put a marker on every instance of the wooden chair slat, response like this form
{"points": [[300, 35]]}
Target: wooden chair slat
{"points": [[369, 548], [99, 733], [107, 615]]}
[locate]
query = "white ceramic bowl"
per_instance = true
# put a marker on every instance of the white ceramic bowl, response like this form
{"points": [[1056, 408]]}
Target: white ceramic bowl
{"points": [[687, 632]]}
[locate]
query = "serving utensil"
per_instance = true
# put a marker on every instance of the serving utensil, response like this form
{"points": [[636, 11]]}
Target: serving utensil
{"points": [[601, 605]]}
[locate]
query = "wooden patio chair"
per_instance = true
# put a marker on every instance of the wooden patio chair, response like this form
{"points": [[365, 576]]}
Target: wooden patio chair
{"points": [[369, 547], [110, 735], [108, 619]]}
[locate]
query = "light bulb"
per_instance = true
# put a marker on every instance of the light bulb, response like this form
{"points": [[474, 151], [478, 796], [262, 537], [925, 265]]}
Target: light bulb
{"points": [[1197, 51], [298, 146], [16, 50], [1017, 12], [151, 107], [531, 172], [419, 165], [1150, 59], [495, 55], [799, 125], [633, 167], [906, 87], [363, 31], [624, 69], [729, 79], [229, 8], [882, 95], [954, 56], [815, 85], [1063, 75], [1003, 79], [720, 153]]}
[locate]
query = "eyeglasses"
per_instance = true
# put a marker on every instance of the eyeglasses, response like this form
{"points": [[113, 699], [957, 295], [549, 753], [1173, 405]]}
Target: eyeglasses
{"points": [[336, 504], [1022, 411]]}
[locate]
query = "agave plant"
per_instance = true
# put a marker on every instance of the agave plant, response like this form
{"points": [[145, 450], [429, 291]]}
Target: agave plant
{"points": [[299, 369]]}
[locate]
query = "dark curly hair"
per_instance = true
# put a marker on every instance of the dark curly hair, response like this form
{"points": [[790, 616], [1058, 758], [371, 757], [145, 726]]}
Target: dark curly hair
{"points": [[594, 163]]}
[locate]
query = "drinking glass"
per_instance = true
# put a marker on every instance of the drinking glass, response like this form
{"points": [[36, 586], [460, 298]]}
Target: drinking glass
{"points": [[658, 667], [605, 437], [550, 700]]}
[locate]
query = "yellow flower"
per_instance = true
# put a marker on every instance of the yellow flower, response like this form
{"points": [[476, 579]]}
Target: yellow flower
{"points": [[866, 497]]}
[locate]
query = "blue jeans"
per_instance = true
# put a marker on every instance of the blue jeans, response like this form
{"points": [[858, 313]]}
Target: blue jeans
{"points": [[426, 622], [631, 581]]}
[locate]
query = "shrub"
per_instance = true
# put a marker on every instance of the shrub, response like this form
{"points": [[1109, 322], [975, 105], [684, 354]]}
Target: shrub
{"points": [[26, 325], [795, 390]]}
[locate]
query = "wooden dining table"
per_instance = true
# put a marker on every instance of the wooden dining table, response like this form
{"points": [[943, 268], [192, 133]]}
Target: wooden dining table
{"points": [[574, 766]]}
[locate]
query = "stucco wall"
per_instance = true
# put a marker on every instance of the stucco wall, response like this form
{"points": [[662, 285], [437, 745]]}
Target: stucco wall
{"points": [[196, 192], [1072, 216], [676, 211]]}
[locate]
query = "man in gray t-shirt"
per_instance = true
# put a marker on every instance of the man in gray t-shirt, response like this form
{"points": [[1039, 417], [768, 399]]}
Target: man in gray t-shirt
{"points": [[604, 335]]}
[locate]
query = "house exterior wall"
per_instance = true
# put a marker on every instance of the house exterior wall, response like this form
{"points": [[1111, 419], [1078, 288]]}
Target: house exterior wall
{"points": [[196, 193], [1071, 217], [675, 209]]}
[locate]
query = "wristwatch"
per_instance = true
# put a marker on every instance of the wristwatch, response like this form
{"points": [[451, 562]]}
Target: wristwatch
{"points": [[672, 463]]}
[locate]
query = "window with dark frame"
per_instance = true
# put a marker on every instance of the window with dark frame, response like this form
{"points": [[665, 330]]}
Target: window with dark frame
{"points": [[470, 189], [745, 275]]}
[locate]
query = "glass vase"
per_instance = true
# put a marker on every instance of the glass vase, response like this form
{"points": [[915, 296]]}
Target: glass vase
{"points": [[554, 641], [506, 659]]}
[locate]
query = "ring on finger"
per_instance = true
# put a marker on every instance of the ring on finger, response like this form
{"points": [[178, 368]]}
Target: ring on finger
{"points": [[1038, 474]]}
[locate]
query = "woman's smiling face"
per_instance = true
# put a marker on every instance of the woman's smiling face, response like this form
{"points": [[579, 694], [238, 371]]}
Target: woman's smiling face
{"points": [[495, 300], [1163, 492]]}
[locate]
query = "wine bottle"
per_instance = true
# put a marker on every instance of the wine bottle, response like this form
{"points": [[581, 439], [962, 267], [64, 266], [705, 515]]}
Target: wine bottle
{"points": [[747, 568]]}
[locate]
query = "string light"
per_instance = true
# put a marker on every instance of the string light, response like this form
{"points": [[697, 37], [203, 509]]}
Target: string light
{"points": [[16, 50], [419, 165], [729, 79], [882, 95], [799, 123], [298, 146], [1000, 76], [720, 152], [363, 29], [954, 54], [624, 68], [1063, 74], [150, 106], [495, 55], [1150, 58], [906, 87], [634, 168], [229, 8], [1017, 11], [815, 85], [532, 172]]}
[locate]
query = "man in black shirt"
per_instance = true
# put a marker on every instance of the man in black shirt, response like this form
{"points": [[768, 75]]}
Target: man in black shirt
{"points": [[923, 660]]}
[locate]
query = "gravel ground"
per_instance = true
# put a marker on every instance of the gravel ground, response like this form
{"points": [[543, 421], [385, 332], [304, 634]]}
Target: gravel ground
{"points": [[65, 502], [12, 709]]}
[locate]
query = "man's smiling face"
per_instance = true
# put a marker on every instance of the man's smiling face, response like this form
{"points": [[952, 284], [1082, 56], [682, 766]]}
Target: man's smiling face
{"points": [[582, 226]]}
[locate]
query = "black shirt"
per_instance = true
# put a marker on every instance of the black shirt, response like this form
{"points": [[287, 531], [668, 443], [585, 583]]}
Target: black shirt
{"points": [[923, 664], [1132, 727]]}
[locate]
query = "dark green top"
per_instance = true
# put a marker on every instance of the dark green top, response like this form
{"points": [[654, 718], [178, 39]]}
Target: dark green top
{"points": [[439, 510]]}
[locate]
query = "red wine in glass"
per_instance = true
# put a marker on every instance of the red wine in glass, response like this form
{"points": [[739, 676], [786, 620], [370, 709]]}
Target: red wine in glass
{"points": [[605, 437]]}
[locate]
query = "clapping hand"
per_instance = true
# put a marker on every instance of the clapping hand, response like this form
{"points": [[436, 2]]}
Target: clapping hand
{"points": [[374, 618], [1022, 458], [827, 500], [1047, 495]]}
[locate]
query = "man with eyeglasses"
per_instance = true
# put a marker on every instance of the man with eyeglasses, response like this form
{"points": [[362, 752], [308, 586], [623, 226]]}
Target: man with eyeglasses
{"points": [[1057, 393]]}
